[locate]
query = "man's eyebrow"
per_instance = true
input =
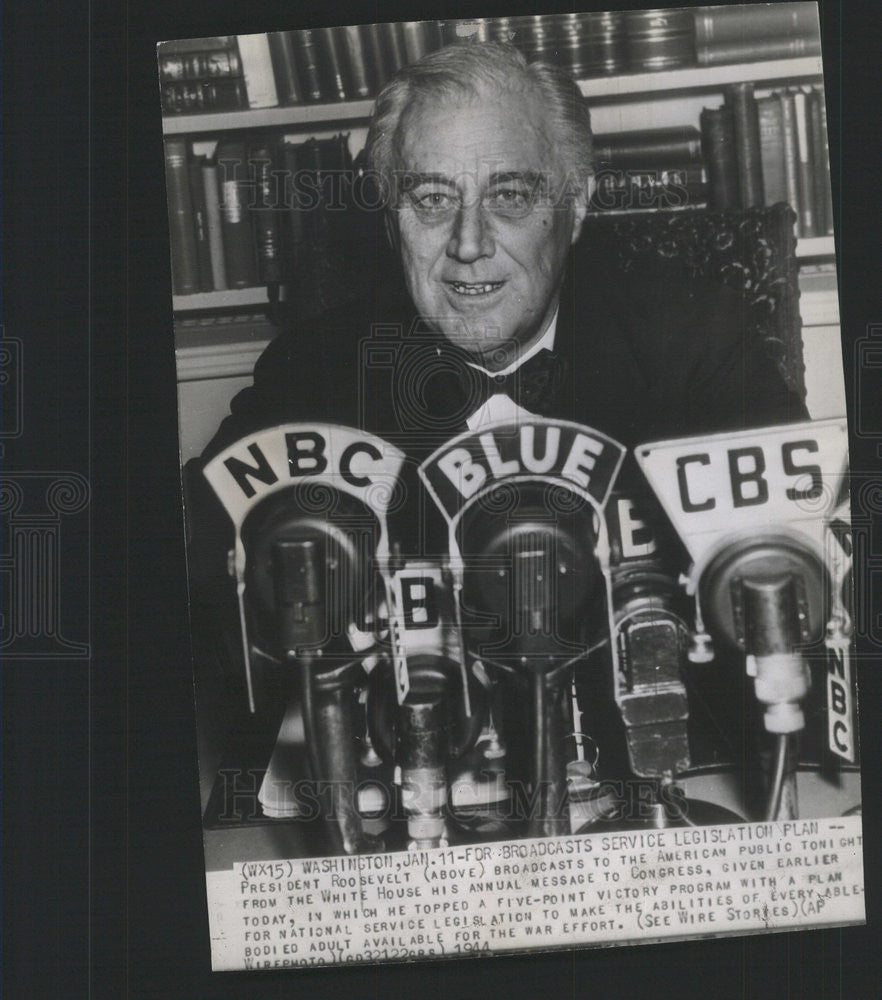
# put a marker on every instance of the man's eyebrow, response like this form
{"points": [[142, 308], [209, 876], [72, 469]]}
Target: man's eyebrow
{"points": [[532, 178], [414, 178]]}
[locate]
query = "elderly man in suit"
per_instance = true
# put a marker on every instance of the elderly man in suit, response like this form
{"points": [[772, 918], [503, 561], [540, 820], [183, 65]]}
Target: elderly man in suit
{"points": [[484, 163]]}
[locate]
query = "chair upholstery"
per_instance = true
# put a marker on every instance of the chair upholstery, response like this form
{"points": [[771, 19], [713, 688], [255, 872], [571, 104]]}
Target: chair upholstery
{"points": [[752, 251]]}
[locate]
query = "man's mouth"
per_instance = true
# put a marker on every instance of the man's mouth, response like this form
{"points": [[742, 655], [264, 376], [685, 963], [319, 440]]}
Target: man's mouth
{"points": [[476, 288]]}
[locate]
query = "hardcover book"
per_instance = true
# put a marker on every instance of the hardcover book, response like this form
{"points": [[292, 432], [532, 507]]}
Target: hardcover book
{"points": [[184, 260], [200, 224], [791, 154], [257, 68], [741, 100], [236, 185], [284, 61], [330, 48], [720, 155], [658, 147], [771, 130], [355, 56], [805, 185], [308, 63], [740, 22], [213, 220]]}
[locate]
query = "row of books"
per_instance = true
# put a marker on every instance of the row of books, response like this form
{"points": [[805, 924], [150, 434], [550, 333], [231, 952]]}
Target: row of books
{"points": [[231, 72], [598, 44], [253, 212], [288, 67], [764, 150], [751, 151]]}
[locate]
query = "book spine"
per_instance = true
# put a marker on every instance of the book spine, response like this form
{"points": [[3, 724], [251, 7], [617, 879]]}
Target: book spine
{"points": [[416, 40], [533, 34], [656, 147], [772, 149], [200, 224], [817, 155], [717, 25], [212, 65], [331, 55], [292, 225], [372, 42], [675, 187], [187, 45], [757, 49], [740, 98], [825, 168], [313, 217], [257, 67], [660, 39], [718, 145], [791, 157], [265, 215], [432, 35], [213, 221], [393, 35], [308, 63], [236, 189], [804, 175], [692, 175], [285, 67], [190, 96], [356, 61], [184, 262]]}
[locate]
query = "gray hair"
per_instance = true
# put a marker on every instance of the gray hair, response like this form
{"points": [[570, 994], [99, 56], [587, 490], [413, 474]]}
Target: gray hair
{"points": [[470, 69]]}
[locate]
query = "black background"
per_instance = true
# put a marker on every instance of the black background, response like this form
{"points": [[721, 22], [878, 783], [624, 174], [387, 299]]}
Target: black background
{"points": [[103, 878]]}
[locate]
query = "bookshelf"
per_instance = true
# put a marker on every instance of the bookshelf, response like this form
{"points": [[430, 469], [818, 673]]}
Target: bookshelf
{"points": [[290, 116], [230, 298]]}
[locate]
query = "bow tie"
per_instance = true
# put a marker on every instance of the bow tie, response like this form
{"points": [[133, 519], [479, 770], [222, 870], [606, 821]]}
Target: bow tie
{"points": [[533, 385], [436, 388]]}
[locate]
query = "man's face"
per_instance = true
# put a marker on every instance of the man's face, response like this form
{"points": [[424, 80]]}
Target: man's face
{"points": [[484, 231]]}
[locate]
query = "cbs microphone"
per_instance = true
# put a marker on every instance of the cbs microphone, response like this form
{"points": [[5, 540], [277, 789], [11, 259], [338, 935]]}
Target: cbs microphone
{"points": [[754, 510]]}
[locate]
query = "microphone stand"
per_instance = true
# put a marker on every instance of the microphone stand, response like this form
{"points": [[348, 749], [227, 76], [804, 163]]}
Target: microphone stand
{"points": [[327, 689]]}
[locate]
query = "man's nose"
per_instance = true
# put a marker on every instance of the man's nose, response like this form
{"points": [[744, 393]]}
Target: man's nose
{"points": [[471, 238]]}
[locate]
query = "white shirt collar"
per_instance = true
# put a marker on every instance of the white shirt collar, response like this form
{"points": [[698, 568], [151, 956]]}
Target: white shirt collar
{"points": [[499, 407]]}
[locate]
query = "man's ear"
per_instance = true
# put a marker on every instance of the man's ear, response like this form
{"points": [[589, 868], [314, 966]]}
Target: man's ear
{"points": [[580, 207]]}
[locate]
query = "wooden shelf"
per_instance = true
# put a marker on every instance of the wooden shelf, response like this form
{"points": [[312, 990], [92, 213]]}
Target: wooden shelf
{"points": [[220, 300], [292, 115], [700, 78], [605, 88], [814, 247]]}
